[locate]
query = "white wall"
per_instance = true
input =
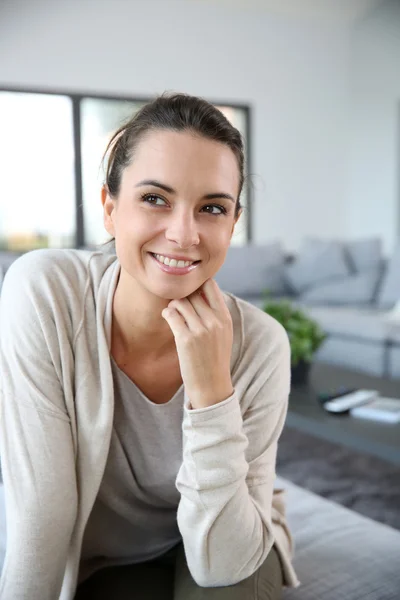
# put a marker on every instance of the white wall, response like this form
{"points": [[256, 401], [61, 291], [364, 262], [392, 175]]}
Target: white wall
{"points": [[294, 74], [374, 168]]}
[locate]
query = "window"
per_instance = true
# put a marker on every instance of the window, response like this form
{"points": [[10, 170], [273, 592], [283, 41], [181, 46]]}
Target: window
{"points": [[51, 146], [37, 201], [99, 119]]}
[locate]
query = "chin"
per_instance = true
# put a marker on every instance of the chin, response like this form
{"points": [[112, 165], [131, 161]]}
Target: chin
{"points": [[175, 293]]}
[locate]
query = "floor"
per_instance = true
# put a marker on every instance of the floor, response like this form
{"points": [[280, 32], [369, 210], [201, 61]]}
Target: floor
{"points": [[366, 484]]}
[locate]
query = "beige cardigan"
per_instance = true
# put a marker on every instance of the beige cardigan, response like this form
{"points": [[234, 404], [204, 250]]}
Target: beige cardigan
{"points": [[56, 420]]}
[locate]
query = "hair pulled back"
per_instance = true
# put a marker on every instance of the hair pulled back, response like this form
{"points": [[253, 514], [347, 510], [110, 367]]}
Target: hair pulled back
{"points": [[174, 112]]}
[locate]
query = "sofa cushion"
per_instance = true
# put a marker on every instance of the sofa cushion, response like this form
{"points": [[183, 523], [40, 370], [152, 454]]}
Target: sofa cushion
{"points": [[394, 334], [318, 261], [361, 254], [248, 270], [352, 289], [389, 292], [363, 355], [358, 322], [393, 321], [364, 254], [394, 362], [339, 553]]}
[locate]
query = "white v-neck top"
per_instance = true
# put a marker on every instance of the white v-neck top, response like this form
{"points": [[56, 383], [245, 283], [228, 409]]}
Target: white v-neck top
{"points": [[57, 430]]}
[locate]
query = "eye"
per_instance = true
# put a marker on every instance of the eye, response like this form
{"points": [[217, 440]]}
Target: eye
{"points": [[221, 208], [150, 197]]}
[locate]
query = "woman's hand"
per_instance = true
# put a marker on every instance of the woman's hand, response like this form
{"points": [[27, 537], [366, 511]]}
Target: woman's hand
{"points": [[203, 332]]}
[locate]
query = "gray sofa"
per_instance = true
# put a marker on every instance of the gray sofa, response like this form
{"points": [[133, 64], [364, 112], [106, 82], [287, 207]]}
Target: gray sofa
{"points": [[339, 554], [348, 287]]}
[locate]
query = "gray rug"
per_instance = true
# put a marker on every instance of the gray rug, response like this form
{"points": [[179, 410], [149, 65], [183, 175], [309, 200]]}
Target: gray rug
{"points": [[361, 482]]}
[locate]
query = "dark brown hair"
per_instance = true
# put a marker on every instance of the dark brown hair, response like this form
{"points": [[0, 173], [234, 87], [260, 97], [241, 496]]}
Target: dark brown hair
{"points": [[175, 112]]}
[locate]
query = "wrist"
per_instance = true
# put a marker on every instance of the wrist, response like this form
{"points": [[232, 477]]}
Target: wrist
{"points": [[204, 399]]}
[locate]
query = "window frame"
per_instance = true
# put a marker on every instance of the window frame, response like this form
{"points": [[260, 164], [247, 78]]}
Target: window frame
{"points": [[76, 99]]}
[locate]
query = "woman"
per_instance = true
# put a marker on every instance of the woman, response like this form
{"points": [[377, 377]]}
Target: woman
{"points": [[141, 405]]}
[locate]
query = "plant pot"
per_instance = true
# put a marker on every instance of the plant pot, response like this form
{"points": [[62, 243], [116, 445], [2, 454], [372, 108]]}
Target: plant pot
{"points": [[300, 372]]}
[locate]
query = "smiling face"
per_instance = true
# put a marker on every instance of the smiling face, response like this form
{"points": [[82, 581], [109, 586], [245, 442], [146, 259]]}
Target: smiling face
{"points": [[177, 198]]}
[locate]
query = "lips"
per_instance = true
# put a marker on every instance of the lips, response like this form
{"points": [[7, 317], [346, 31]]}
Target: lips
{"points": [[167, 269], [184, 259]]}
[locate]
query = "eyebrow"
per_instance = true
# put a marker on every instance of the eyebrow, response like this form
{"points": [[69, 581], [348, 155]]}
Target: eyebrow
{"points": [[170, 190]]}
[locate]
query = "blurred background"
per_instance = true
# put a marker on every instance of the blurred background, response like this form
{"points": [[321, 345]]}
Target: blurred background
{"points": [[313, 85]]}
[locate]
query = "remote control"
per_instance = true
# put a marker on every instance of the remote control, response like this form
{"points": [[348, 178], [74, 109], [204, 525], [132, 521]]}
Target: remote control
{"points": [[333, 394], [345, 403]]}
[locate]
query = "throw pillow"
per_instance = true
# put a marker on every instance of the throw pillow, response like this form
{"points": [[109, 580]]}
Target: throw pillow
{"points": [[318, 261], [350, 290], [361, 254], [364, 254], [394, 314], [248, 270], [390, 289]]}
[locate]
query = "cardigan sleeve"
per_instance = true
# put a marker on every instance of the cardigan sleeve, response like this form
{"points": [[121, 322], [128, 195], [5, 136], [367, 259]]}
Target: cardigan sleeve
{"points": [[36, 447], [227, 475]]}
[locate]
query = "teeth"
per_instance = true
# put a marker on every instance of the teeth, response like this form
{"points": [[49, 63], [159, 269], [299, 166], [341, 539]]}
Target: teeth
{"points": [[171, 262]]}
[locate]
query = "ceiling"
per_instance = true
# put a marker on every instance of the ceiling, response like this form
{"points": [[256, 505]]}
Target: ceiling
{"points": [[344, 11]]}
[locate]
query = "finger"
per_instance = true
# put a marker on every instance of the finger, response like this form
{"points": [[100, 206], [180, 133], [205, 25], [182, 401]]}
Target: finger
{"points": [[188, 313], [175, 320], [207, 315], [202, 295], [213, 295], [202, 308]]}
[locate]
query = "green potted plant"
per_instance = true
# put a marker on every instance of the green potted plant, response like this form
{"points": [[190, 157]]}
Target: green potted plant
{"points": [[305, 335]]}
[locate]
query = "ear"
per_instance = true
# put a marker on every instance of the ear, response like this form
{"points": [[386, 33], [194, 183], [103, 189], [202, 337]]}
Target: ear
{"points": [[108, 210]]}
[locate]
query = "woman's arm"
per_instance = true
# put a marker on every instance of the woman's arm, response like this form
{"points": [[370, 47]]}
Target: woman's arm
{"points": [[36, 448], [227, 476]]}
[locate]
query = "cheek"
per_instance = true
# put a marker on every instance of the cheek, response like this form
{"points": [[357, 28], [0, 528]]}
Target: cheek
{"points": [[222, 237], [131, 225]]}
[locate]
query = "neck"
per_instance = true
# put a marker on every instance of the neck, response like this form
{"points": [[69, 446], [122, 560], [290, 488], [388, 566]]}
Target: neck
{"points": [[138, 327]]}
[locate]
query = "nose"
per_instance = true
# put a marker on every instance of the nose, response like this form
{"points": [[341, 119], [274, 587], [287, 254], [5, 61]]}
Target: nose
{"points": [[182, 228]]}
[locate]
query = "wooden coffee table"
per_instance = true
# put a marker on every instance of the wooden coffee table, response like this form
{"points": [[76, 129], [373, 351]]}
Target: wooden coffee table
{"points": [[371, 437]]}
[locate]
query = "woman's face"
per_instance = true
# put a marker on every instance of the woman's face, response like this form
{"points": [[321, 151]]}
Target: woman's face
{"points": [[165, 207]]}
